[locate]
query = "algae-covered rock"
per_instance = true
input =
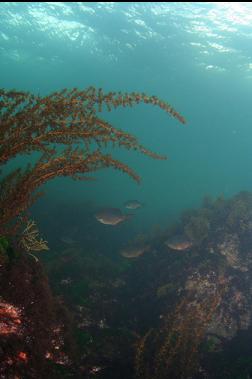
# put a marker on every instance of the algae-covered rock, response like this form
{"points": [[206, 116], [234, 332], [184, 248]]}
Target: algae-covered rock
{"points": [[8, 254], [4, 244], [213, 344], [229, 247], [197, 228], [165, 290]]}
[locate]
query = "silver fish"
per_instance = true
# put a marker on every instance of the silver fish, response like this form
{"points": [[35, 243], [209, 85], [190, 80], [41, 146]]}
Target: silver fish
{"points": [[68, 240], [134, 252], [133, 204], [111, 216], [179, 242]]}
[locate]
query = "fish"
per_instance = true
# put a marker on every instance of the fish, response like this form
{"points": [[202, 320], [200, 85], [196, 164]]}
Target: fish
{"points": [[134, 252], [133, 204], [68, 240], [66, 281], [111, 216], [70, 234], [179, 243]]}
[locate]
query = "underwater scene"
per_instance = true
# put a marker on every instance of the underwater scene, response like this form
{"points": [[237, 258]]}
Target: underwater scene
{"points": [[126, 190]]}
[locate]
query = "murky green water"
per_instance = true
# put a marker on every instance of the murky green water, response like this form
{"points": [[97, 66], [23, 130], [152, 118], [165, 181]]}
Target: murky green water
{"points": [[196, 56]]}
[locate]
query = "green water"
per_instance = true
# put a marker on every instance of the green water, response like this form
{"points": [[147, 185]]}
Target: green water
{"points": [[196, 56]]}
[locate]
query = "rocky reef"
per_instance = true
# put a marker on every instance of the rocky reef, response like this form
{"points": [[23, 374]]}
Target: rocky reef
{"points": [[203, 297], [180, 310], [35, 337]]}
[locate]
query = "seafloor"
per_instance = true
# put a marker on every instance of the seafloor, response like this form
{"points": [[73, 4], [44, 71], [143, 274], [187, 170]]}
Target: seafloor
{"points": [[177, 310]]}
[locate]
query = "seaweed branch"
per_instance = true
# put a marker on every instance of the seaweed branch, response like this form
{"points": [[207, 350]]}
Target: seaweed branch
{"points": [[66, 130]]}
